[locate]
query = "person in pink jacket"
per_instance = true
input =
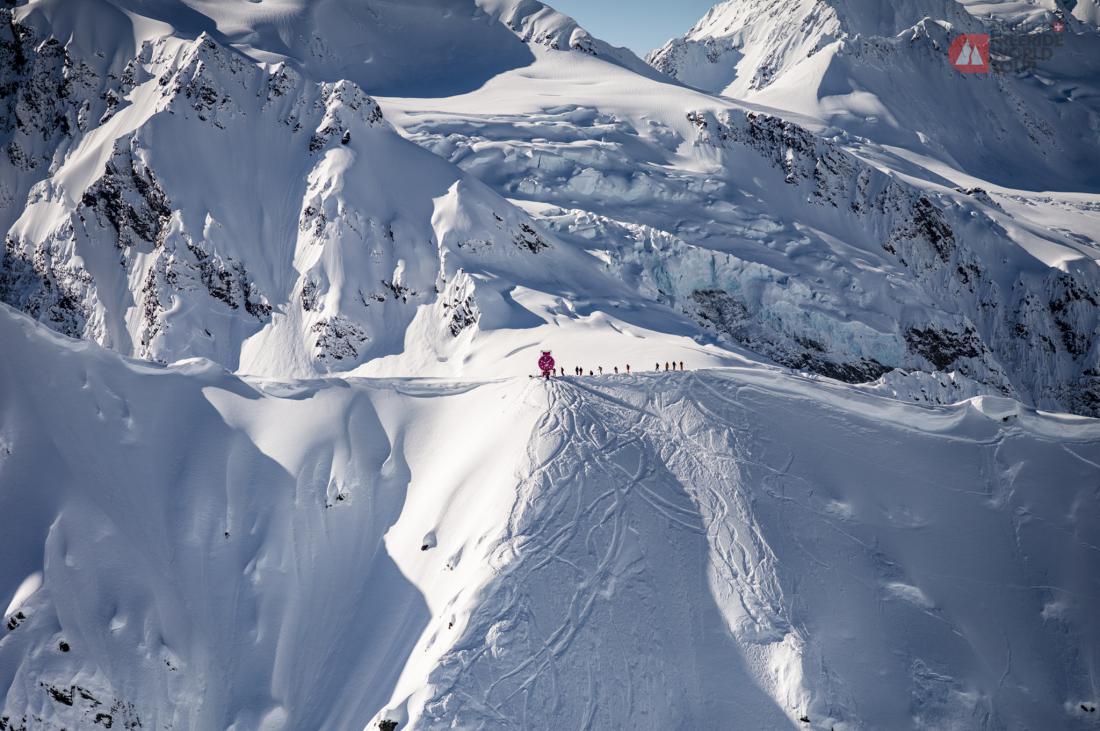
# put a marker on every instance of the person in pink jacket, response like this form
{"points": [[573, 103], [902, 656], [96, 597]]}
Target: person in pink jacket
{"points": [[547, 364]]}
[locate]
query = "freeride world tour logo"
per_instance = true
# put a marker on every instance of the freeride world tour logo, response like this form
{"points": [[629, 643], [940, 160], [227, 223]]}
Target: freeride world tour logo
{"points": [[970, 53], [1016, 48]]}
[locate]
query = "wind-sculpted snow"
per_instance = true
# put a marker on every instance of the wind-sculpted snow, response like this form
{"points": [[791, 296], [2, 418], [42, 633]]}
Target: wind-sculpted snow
{"points": [[720, 549], [213, 553]]}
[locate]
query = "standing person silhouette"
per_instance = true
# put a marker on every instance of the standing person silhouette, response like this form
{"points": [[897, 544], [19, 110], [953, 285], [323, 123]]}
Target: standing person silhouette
{"points": [[681, 365], [628, 369], [616, 370], [666, 366]]}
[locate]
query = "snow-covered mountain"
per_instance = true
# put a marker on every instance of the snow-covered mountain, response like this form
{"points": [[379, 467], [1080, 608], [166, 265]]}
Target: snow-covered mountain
{"points": [[319, 241], [312, 488], [314, 239], [882, 71], [786, 237]]}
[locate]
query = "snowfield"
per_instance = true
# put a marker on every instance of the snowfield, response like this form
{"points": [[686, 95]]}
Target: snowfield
{"points": [[275, 277], [720, 549]]}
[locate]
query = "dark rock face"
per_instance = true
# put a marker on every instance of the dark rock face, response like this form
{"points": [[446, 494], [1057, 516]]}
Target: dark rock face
{"points": [[338, 339], [81, 703], [399, 291], [43, 89], [528, 238], [15, 620], [55, 294], [928, 224], [943, 348], [226, 280], [1070, 303], [128, 198], [731, 317], [463, 314], [48, 99]]}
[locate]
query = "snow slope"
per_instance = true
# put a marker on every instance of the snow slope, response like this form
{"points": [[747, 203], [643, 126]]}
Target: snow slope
{"points": [[255, 561], [328, 554]]}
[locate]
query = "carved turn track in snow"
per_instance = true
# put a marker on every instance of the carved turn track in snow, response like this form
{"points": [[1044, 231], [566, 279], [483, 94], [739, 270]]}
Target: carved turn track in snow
{"points": [[707, 550]]}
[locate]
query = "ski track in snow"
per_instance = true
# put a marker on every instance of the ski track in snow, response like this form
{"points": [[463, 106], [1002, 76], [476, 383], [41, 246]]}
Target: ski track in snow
{"points": [[585, 525], [728, 548]]}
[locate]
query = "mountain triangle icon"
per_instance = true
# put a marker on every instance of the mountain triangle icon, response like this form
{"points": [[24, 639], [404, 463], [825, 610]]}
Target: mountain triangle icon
{"points": [[970, 56]]}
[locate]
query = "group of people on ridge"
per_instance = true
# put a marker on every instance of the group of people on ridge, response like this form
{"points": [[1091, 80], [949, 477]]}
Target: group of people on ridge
{"points": [[549, 367], [669, 366]]}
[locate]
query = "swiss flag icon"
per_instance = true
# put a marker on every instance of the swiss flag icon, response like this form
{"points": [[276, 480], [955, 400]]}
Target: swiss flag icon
{"points": [[970, 53]]}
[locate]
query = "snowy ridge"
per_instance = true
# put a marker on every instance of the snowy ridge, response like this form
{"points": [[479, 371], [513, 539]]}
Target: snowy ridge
{"points": [[748, 39], [344, 552], [250, 537], [538, 23]]}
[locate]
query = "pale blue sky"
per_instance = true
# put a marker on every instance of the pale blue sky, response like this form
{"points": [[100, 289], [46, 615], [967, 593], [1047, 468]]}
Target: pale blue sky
{"points": [[641, 25]]}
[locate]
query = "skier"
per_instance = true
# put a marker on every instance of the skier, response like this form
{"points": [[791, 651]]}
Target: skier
{"points": [[563, 371], [666, 366], [657, 367], [616, 370], [628, 369], [601, 370], [547, 364], [681, 365]]}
